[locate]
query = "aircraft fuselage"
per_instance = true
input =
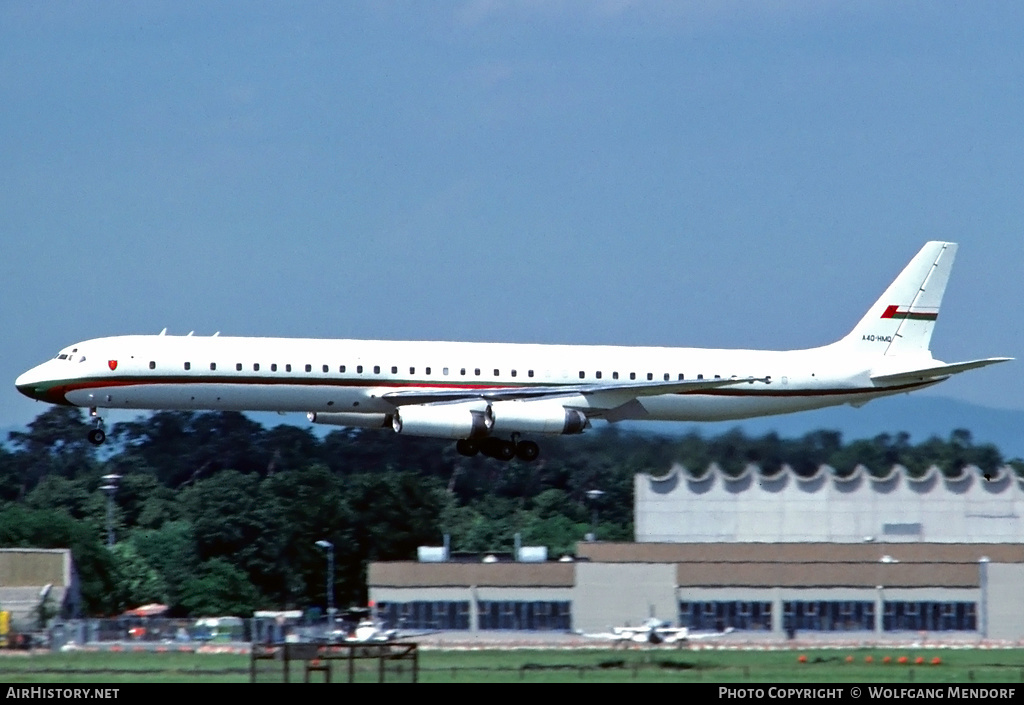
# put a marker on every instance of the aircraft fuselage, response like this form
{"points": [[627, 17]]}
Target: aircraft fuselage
{"points": [[317, 375]]}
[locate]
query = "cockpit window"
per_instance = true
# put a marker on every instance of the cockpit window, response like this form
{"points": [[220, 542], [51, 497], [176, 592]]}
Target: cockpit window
{"points": [[62, 356]]}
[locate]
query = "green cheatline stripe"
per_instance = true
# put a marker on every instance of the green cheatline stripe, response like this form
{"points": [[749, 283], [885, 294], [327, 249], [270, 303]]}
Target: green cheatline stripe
{"points": [[916, 316]]}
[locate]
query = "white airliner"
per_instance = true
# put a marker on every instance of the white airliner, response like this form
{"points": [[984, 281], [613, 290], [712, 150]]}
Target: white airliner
{"points": [[486, 396]]}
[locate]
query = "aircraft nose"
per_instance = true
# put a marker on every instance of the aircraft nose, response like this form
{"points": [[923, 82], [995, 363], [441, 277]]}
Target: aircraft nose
{"points": [[29, 384]]}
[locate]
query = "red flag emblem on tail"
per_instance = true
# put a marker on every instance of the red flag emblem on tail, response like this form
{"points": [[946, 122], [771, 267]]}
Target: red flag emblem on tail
{"points": [[112, 364]]}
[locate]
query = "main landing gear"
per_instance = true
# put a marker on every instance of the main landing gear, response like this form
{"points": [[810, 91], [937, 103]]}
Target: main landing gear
{"points": [[97, 435], [499, 449]]}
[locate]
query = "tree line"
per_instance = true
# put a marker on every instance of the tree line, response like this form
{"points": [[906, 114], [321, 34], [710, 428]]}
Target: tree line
{"points": [[215, 514]]}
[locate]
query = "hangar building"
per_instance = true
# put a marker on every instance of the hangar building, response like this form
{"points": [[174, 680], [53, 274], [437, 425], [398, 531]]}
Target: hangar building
{"points": [[767, 556]]}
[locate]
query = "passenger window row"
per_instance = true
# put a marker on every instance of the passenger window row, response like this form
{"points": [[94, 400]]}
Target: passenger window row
{"points": [[342, 369]]}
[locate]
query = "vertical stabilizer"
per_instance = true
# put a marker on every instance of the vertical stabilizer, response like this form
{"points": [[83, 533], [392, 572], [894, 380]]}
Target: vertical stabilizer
{"points": [[903, 319]]}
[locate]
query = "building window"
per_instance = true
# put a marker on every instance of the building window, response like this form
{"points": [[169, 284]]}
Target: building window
{"points": [[539, 615], [436, 615], [829, 615], [930, 616]]}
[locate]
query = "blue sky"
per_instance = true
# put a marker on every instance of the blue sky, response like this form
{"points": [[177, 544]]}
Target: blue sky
{"points": [[724, 174]]}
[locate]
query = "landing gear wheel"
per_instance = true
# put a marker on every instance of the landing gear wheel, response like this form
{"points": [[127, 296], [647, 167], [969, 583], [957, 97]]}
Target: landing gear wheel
{"points": [[467, 447], [505, 450], [527, 451], [96, 436], [498, 449]]}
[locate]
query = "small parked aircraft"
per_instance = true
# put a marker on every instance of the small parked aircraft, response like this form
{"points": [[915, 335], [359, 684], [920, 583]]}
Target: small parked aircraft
{"points": [[654, 631]]}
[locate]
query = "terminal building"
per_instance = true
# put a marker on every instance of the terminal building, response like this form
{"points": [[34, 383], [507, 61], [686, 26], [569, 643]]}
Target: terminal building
{"points": [[767, 556]]}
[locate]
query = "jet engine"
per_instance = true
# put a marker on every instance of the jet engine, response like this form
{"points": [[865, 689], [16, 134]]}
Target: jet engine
{"points": [[459, 421], [350, 419], [535, 417]]}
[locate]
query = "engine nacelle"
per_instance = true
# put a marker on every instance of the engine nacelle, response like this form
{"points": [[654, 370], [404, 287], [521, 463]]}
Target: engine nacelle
{"points": [[457, 421], [350, 419], [535, 417]]}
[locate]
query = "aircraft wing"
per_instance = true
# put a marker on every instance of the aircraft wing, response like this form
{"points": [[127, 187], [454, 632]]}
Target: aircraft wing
{"points": [[937, 372], [690, 636], [598, 396], [607, 636]]}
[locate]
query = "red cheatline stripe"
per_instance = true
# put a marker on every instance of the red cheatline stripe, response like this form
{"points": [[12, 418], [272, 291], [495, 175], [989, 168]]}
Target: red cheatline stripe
{"points": [[57, 393], [895, 312]]}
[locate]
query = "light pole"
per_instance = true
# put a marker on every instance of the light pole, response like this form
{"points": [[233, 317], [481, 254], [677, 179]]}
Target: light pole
{"points": [[329, 547], [594, 496], [109, 488]]}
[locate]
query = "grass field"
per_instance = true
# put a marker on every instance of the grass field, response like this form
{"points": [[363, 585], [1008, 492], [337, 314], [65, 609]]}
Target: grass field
{"points": [[656, 665]]}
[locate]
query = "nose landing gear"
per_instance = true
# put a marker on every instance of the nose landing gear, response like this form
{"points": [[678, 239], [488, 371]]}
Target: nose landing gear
{"points": [[97, 435]]}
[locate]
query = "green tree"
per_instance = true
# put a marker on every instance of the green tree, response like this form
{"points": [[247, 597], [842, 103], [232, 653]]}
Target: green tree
{"points": [[171, 551], [138, 583], [220, 589], [55, 443], [58, 492]]}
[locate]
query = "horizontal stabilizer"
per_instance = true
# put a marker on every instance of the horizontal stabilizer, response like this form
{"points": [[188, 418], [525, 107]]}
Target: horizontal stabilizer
{"points": [[938, 372]]}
